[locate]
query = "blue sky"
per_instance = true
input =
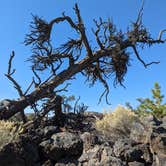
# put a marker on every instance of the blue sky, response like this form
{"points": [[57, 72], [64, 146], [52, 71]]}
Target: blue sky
{"points": [[15, 16]]}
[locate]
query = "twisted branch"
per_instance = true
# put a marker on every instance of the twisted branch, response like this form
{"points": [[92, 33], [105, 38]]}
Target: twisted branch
{"points": [[9, 74], [141, 60]]}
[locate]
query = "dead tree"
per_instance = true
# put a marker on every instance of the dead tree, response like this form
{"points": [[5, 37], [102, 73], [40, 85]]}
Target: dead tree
{"points": [[108, 58]]}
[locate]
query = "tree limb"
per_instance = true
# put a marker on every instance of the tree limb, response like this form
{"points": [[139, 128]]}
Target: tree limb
{"points": [[97, 65], [81, 28], [10, 73], [160, 35], [141, 60]]}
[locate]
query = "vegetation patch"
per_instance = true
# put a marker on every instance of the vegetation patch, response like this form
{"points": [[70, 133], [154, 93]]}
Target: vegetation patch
{"points": [[151, 106], [8, 132], [117, 123]]}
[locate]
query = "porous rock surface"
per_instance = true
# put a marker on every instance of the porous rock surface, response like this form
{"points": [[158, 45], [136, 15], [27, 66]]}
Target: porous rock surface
{"points": [[77, 143]]}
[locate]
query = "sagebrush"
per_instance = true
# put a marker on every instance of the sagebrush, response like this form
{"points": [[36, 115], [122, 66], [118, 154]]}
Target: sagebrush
{"points": [[8, 132], [117, 123]]}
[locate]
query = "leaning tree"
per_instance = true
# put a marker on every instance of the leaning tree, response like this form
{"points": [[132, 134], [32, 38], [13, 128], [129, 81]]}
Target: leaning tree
{"points": [[109, 57]]}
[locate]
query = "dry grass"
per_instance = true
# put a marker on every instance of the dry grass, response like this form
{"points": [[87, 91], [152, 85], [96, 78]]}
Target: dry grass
{"points": [[8, 132], [118, 123]]}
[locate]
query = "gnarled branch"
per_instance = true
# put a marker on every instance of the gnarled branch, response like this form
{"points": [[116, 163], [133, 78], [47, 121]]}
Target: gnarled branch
{"points": [[141, 60], [9, 74], [109, 58]]}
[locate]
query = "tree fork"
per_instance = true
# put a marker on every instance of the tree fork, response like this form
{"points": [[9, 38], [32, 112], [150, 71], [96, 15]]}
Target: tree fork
{"points": [[44, 90], [111, 58]]}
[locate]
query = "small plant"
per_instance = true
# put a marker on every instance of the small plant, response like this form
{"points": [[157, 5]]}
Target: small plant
{"points": [[67, 103], [8, 132], [153, 106], [118, 123]]}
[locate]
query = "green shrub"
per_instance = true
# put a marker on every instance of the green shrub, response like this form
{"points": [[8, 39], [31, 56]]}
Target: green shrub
{"points": [[117, 124], [154, 106]]}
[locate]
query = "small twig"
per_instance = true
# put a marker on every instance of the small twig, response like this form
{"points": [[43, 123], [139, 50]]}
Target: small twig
{"points": [[64, 18], [44, 82], [96, 34], [81, 29], [63, 89], [148, 64], [139, 18], [160, 34], [10, 64], [75, 105], [106, 93], [37, 76], [29, 87], [139, 58], [35, 109]]}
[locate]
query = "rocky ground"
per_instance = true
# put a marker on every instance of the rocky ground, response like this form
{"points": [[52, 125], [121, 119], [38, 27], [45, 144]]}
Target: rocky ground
{"points": [[78, 143]]}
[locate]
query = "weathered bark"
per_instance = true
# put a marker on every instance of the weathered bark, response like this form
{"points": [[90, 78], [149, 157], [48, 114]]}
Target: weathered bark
{"points": [[111, 58], [16, 106]]}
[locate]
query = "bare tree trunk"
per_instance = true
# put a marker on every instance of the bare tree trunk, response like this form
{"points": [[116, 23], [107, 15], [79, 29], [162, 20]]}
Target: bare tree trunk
{"points": [[14, 106], [111, 58]]}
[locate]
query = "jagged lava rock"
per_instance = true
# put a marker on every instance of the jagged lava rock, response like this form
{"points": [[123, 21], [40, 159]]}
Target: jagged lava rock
{"points": [[61, 145]]}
